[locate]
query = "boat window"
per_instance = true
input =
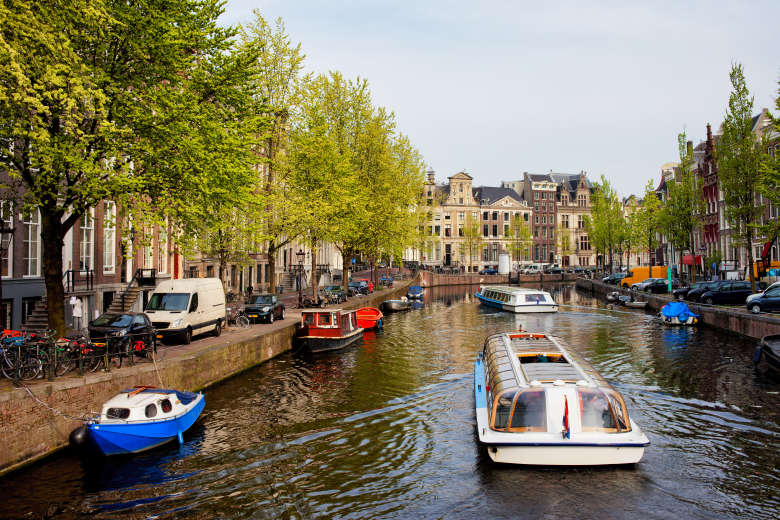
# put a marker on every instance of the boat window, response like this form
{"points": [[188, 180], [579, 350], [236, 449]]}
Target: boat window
{"points": [[151, 410], [118, 413], [595, 411], [534, 298], [165, 405], [503, 408], [619, 410], [323, 319], [530, 412], [353, 319], [308, 319]]}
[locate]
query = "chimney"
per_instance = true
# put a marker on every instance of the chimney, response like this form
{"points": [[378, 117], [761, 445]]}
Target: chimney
{"points": [[431, 179]]}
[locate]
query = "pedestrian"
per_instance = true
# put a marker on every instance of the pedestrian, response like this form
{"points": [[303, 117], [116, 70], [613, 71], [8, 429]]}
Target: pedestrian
{"points": [[76, 312]]}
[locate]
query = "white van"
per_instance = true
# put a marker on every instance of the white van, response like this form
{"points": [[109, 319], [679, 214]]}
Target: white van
{"points": [[186, 307]]}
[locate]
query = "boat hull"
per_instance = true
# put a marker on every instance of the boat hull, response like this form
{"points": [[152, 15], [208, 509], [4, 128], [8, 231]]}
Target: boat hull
{"points": [[134, 437], [770, 351], [518, 309], [676, 322], [566, 455], [325, 344], [395, 306], [635, 305]]}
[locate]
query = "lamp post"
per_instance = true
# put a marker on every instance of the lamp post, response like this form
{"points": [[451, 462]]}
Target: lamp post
{"points": [[301, 255]]}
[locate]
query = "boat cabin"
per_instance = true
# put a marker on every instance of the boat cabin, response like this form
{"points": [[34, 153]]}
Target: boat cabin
{"points": [[145, 404], [328, 323], [527, 373], [516, 296]]}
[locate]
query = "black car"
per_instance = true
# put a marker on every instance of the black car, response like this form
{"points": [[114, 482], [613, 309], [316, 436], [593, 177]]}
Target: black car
{"points": [[728, 292], [489, 270], [335, 293], [124, 332], [614, 278], [694, 295], [679, 294], [265, 307], [768, 301], [357, 287]]}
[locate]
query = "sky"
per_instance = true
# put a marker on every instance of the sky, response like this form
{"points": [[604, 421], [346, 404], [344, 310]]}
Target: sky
{"points": [[498, 88]]}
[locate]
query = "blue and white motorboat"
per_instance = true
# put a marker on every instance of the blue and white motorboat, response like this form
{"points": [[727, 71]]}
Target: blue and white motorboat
{"points": [[678, 313], [415, 292], [140, 419], [516, 299]]}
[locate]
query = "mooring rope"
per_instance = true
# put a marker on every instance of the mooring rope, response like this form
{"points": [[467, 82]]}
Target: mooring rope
{"points": [[54, 410]]}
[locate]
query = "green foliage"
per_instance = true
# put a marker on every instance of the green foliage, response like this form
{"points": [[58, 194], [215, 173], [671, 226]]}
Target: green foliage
{"points": [[769, 183], [564, 241], [472, 240], [739, 159], [605, 225], [646, 220]]}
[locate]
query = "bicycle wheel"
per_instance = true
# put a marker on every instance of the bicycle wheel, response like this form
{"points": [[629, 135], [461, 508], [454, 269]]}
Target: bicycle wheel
{"points": [[115, 358], [8, 364], [242, 321], [31, 366]]}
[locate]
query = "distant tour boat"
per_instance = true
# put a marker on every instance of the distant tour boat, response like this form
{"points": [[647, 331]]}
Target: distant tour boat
{"points": [[322, 330], [139, 419], [516, 299], [538, 403]]}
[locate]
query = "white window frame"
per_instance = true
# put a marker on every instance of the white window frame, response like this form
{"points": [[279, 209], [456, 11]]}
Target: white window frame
{"points": [[162, 249], [32, 240], [87, 240], [109, 238], [6, 208]]}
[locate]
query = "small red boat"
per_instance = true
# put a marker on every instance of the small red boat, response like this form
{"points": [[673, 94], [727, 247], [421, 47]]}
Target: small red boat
{"points": [[369, 318]]}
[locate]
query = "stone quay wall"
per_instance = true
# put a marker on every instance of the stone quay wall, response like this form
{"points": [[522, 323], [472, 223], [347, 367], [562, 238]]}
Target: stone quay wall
{"points": [[30, 431], [738, 320]]}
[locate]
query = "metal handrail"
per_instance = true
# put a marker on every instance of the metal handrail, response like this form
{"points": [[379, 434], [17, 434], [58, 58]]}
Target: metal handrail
{"points": [[70, 279]]}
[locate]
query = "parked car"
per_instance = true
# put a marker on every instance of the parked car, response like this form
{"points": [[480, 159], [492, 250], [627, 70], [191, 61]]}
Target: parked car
{"points": [[614, 278], [660, 285], [335, 293], [767, 301], [264, 307], [647, 282], [762, 290], [489, 270], [368, 283], [728, 292], [386, 281], [679, 294], [124, 330], [354, 288], [694, 295]]}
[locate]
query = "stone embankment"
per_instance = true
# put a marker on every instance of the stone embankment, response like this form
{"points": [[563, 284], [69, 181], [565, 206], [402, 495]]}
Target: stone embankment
{"points": [[735, 319], [30, 430], [431, 279]]}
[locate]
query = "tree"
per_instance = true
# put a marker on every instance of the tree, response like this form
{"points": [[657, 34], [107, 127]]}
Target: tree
{"points": [[277, 92], [769, 184], [681, 215], [646, 223], [472, 239], [605, 223], [114, 100], [564, 242], [739, 159]]}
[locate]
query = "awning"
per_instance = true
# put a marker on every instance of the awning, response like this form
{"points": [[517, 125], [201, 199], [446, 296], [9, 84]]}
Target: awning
{"points": [[688, 259]]}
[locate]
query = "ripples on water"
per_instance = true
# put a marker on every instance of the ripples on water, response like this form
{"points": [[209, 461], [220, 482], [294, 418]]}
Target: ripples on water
{"points": [[385, 430]]}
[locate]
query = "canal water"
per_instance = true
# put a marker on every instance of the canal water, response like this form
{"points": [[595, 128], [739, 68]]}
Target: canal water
{"points": [[385, 429]]}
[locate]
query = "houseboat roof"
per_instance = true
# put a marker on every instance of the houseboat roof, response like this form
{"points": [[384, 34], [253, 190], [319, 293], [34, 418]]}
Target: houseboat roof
{"points": [[506, 288], [523, 359]]}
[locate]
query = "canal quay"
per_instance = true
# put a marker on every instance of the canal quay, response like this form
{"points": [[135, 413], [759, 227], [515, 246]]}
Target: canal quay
{"points": [[385, 429]]}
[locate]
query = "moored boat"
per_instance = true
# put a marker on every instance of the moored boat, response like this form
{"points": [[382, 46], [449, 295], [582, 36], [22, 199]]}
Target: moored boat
{"points": [[612, 296], [769, 350], [678, 313], [415, 292], [516, 299], [538, 403], [626, 301], [139, 419], [369, 318], [331, 329], [396, 305]]}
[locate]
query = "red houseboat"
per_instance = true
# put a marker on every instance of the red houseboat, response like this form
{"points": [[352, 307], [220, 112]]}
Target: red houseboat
{"points": [[322, 330]]}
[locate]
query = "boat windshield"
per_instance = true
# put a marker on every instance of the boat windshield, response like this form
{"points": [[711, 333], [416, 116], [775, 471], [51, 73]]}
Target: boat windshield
{"points": [[503, 408], [530, 412], [168, 302], [602, 411], [534, 298], [263, 299]]}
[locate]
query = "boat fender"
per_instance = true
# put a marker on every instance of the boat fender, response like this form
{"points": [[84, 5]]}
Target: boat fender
{"points": [[757, 355], [78, 437]]}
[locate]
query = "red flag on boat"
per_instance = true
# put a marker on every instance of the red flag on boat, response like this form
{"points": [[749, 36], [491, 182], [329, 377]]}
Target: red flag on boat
{"points": [[565, 432]]}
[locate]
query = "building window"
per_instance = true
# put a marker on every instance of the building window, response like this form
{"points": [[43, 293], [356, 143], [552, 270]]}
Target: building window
{"points": [[536, 252], [544, 195], [447, 231], [485, 254], [582, 200], [506, 216], [584, 243], [437, 230], [485, 230], [544, 219], [536, 231], [461, 215], [506, 229], [7, 221], [580, 221], [565, 221], [495, 230], [536, 206], [32, 238], [109, 237], [552, 233], [536, 219], [446, 216], [460, 231], [536, 195], [544, 232], [495, 215], [87, 249], [485, 215], [525, 217]]}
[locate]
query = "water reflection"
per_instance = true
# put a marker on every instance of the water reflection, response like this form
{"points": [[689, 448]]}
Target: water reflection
{"points": [[384, 429]]}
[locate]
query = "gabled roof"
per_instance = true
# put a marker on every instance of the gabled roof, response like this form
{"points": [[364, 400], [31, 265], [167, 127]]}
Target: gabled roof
{"points": [[491, 194], [535, 177], [461, 175]]}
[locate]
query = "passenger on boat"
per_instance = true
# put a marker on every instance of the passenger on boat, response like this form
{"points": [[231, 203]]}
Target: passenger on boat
{"points": [[595, 411], [530, 411]]}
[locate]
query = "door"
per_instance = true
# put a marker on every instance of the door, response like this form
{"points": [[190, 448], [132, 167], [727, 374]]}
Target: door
{"points": [[447, 253], [770, 301]]}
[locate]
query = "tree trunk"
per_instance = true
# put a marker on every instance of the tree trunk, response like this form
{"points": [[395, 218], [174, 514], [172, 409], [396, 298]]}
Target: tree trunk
{"points": [[751, 267], [53, 238], [314, 273], [271, 267]]}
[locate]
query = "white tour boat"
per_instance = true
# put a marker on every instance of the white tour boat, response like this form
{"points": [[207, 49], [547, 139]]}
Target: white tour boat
{"points": [[516, 299], [540, 404]]}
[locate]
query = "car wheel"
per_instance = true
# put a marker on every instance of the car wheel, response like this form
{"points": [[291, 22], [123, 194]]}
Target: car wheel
{"points": [[187, 336], [271, 317], [218, 329], [283, 313], [755, 308], [708, 300]]}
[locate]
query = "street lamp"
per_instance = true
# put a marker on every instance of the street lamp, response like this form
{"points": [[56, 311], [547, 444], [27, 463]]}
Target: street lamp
{"points": [[301, 255]]}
